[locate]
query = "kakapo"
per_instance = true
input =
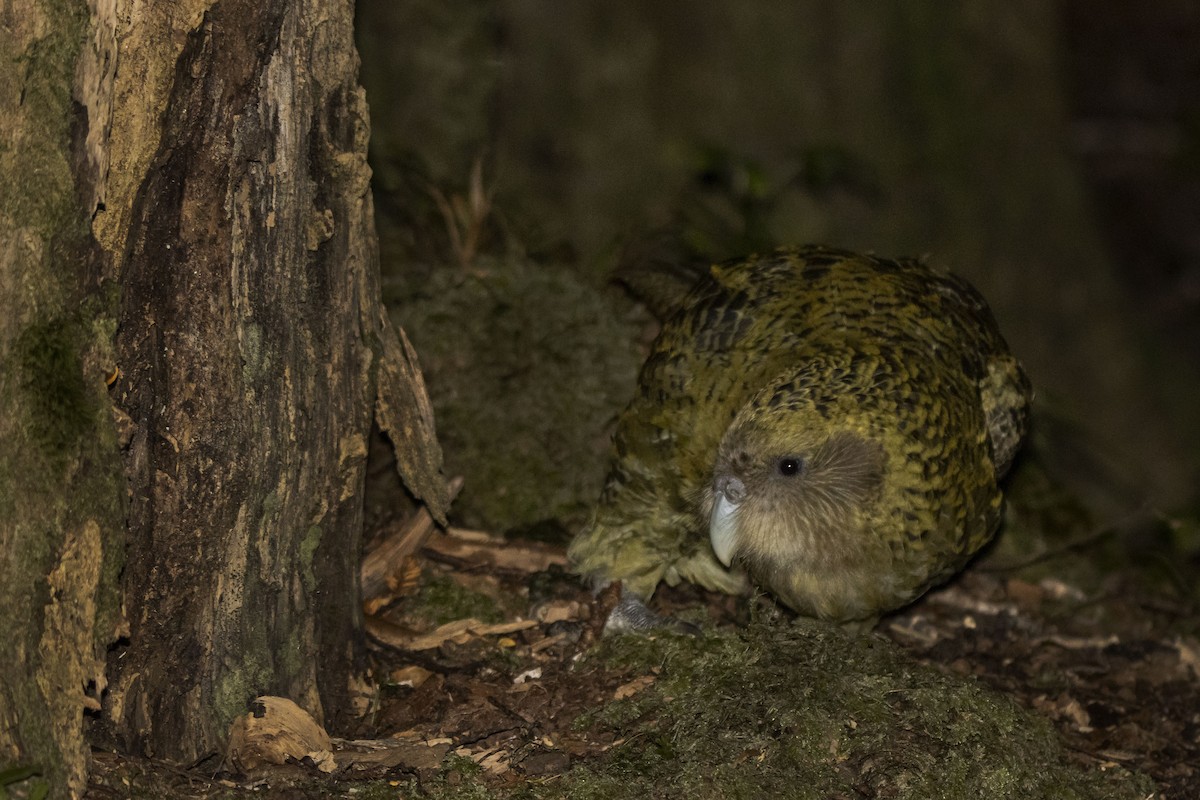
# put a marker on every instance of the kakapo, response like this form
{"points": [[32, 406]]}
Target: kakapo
{"points": [[830, 426]]}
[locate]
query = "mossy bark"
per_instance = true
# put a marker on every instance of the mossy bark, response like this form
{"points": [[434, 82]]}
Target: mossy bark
{"points": [[253, 347], [189, 277], [60, 473]]}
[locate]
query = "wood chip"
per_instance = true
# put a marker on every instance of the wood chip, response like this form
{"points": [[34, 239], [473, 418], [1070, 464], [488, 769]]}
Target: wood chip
{"points": [[276, 731], [494, 761], [411, 675], [549, 641], [364, 754], [528, 675], [1028, 596], [1079, 642], [559, 611]]}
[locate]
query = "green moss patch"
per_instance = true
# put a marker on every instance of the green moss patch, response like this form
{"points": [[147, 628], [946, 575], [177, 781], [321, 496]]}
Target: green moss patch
{"points": [[811, 712]]}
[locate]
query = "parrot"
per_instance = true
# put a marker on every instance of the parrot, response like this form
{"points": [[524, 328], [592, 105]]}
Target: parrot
{"points": [[828, 427]]}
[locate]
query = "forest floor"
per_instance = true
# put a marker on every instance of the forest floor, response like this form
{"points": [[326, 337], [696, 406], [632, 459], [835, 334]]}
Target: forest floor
{"points": [[495, 681]]}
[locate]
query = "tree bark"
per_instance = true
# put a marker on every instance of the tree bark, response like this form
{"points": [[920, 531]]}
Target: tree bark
{"points": [[60, 473], [219, 151], [251, 339]]}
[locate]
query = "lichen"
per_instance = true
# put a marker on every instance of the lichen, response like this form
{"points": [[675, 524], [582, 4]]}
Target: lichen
{"points": [[237, 685]]}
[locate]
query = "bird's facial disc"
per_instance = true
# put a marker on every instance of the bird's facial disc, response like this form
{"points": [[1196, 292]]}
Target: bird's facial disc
{"points": [[788, 488]]}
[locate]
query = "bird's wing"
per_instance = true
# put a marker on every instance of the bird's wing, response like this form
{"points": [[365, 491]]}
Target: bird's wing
{"points": [[1005, 393]]}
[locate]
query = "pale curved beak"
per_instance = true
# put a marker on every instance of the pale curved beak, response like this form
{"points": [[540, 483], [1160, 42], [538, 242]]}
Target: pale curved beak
{"points": [[722, 524]]}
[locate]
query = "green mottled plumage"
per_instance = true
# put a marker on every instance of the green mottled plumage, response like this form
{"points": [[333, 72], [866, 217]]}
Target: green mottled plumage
{"points": [[887, 387]]}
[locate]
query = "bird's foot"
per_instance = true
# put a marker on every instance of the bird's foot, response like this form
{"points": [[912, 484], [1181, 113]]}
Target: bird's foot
{"points": [[631, 615]]}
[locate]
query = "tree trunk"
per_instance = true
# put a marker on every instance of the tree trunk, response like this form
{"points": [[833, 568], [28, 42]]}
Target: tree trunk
{"points": [[61, 489], [220, 152]]}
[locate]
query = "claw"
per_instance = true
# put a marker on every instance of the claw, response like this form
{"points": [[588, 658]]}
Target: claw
{"points": [[631, 615]]}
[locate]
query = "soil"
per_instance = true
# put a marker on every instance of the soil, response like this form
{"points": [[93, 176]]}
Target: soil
{"points": [[1107, 670]]}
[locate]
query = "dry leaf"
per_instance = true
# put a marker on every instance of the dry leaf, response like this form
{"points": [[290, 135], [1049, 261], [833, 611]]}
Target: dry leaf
{"points": [[631, 688], [412, 676]]}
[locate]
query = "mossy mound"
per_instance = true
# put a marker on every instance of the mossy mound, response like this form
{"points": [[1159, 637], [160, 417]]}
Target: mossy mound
{"points": [[808, 711], [527, 367]]}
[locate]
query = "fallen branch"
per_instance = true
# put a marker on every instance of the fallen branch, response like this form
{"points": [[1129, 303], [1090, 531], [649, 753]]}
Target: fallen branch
{"points": [[460, 631], [382, 563], [475, 549]]}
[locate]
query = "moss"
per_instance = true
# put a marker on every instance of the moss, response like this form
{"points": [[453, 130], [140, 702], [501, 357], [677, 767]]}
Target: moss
{"points": [[36, 786], [809, 711], [39, 189], [237, 686], [60, 468], [459, 779], [59, 412], [527, 365], [308, 549], [443, 600]]}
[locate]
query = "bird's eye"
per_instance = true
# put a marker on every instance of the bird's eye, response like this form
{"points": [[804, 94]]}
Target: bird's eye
{"points": [[790, 466]]}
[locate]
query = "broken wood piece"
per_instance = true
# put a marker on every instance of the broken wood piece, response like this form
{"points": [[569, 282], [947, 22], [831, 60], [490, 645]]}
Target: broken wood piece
{"points": [[388, 754], [548, 642], [411, 676], [473, 549], [460, 631], [629, 689], [553, 611], [405, 415], [276, 731], [387, 558]]}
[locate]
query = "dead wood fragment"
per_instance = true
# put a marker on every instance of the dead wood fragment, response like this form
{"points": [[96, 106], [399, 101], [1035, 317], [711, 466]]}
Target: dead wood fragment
{"points": [[389, 754], [494, 761], [276, 731], [411, 675], [627, 690], [383, 564], [404, 413], [476, 550], [548, 642], [460, 631], [553, 611]]}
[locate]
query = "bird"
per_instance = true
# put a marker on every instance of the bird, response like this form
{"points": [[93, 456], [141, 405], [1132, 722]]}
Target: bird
{"points": [[829, 427]]}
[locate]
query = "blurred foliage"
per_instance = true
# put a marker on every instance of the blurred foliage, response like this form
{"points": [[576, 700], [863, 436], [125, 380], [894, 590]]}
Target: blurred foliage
{"points": [[520, 157]]}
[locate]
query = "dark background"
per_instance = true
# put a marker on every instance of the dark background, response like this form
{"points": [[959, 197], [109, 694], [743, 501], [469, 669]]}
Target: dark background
{"points": [[526, 152]]}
